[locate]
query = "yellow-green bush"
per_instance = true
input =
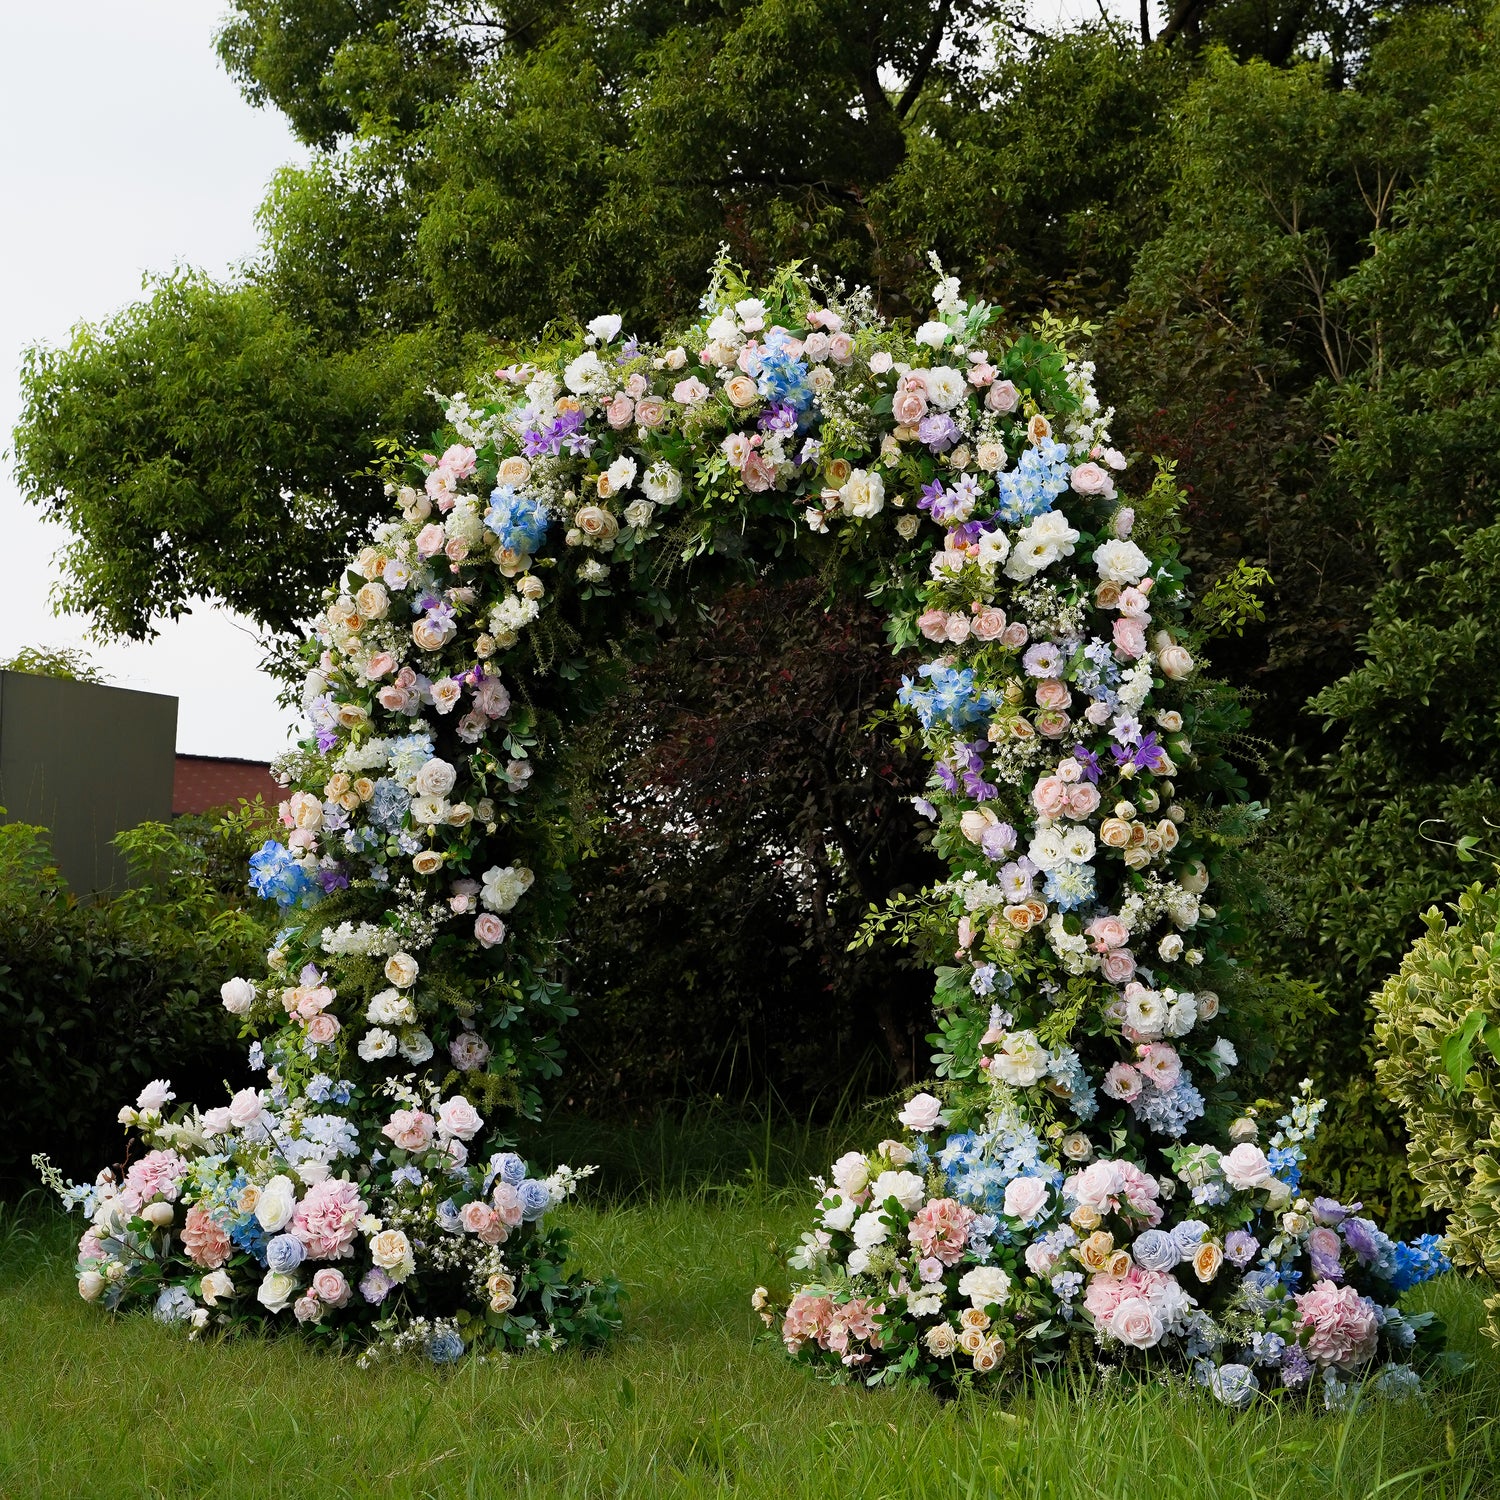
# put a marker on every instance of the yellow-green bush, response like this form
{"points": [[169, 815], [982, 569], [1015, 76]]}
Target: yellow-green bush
{"points": [[1438, 1030]]}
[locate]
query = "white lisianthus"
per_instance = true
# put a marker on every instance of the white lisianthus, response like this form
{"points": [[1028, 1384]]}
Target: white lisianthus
{"points": [[933, 334], [1047, 850], [621, 474], [870, 1230], [841, 1215], [391, 1008], [1078, 844], [376, 1044], [605, 327], [994, 548]]}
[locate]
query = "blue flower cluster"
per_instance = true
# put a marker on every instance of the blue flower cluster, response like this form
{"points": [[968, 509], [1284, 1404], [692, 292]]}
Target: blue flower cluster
{"points": [[388, 804], [1168, 1113], [979, 1166], [783, 380], [1418, 1260], [952, 697], [1039, 477], [520, 521], [276, 875]]}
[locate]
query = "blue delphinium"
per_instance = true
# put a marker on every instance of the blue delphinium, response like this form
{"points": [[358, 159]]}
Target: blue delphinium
{"points": [[952, 696], [1418, 1260], [1038, 478]]}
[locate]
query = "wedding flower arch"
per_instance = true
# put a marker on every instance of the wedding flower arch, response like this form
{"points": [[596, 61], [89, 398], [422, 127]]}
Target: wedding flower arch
{"points": [[1089, 1173]]}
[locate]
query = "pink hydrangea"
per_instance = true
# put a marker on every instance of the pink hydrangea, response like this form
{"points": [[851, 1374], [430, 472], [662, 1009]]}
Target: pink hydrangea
{"points": [[158, 1174], [940, 1230], [806, 1318], [327, 1219], [1340, 1326]]}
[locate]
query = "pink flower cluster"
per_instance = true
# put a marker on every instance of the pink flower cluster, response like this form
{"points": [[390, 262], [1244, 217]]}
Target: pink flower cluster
{"points": [[1339, 1325], [158, 1174], [1103, 1185], [833, 1326], [327, 1219], [940, 1229]]}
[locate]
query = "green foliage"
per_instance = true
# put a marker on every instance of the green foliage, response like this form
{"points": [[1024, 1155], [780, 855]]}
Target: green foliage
{"points": [[1438, 1029], [97, 999], [1232, 601], [46, 661]]}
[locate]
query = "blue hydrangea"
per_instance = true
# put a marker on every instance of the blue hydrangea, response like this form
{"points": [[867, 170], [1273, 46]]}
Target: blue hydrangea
{"points": [[519, 521], [388, 804], [276, 876], [784, 380], [174, 1305], [1169, 1113]]}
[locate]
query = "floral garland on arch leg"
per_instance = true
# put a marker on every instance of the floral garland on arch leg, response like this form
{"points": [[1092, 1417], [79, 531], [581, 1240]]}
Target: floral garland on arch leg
{"points": [[365, 1186]]}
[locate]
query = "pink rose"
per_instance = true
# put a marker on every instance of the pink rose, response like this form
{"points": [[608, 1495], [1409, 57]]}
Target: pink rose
{"points": [[507, 1203], [880, 362], [958, 628], [1107, 932], [477, 1216], [1161, 1064], [308, 1308], [841, 348], [921, 1112], [1052, 693], [650, 411], [330, 1286], [1137, 1323], [322, 1029], [1090, 479], [689, 391], [457, 1117], [1134, 605], [1025, 1198], [909, 407], [989, 623], [430, 540], [1130, 638], [933, 623], [758, 476], [456, 549], [1050, 796], [245, 1108], [1002, 397], [1015, 636], [816, 346], [1340, 1326], [1099, 1185], [489, 930], [1053, 723], [393, 699], [1122, 1082], [381, 663], [1083, 799], [410, 1129], [1118, 965], [619, 411]]}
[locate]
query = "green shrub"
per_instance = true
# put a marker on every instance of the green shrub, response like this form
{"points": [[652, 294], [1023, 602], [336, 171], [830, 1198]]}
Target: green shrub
{"points": [[1438, 1030], [97, 999]]}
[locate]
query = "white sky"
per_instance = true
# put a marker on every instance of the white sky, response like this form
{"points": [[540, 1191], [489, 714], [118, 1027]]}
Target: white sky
{"points": [[125, 148]]}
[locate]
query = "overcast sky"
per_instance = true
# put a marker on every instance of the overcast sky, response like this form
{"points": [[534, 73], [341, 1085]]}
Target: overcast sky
{"points": [[124, 148]]}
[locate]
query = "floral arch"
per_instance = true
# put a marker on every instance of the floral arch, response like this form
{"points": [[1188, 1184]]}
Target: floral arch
{"points": [[1086, 1172]]}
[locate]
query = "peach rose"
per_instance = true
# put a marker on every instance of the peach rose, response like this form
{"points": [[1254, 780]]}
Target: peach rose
{"points": [[742, 391], [989, 624], [1114, 833], [322, 1029], [650, 411], [909, 407], [1050, 796], [1002, 397], [1053, 693], [1083, 800]]}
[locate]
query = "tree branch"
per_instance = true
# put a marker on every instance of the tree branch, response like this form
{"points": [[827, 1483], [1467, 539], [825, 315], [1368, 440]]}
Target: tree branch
{"points": [[925, 61], [1184, 15]]}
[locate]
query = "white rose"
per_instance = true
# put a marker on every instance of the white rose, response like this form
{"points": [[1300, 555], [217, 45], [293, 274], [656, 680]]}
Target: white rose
{"points": [[1021, 1061], [1121, 562], [905, 1187], [921, 1112], [245, 1108], [945, 387], [377, 1043], [841, 1215], [278, 1200], [933, 334], [621, 474], [851, 1173], [985, 1286], [402, 970], [435, 779], [871, 1230], [1170, 948], [587, 374], [276, 1291], [1047, 851], [216, 1288], [238, 996], [863, 494], [605, 327]]}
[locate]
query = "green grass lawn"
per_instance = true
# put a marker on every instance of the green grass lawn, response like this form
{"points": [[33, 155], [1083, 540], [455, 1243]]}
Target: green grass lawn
{"points": [[687, 1403]]}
